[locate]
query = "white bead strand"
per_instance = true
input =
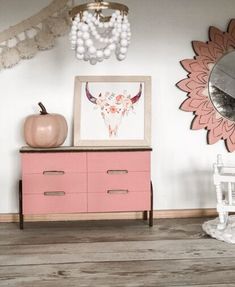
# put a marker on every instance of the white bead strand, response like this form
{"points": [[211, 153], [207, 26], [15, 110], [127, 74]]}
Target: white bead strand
{"points": [[95, 41]]}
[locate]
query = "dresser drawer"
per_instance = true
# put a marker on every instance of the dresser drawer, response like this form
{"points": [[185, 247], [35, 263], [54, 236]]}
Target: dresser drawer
{"points": [[108, 161], [46, 162], [69, 183], [119, 201], [132, 181], [45, 204]]}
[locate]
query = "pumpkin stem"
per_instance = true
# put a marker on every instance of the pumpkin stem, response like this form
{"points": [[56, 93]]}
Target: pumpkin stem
{"points": [[43, 109]]}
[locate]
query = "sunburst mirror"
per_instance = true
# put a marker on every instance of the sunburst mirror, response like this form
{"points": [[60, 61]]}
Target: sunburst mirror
{"points": [[210, 86]]}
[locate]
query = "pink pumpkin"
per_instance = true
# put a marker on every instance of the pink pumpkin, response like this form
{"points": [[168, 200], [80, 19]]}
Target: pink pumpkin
{"points": [[45, 130]]}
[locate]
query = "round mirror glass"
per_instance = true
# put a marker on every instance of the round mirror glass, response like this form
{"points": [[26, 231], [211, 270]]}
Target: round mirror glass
{"points": [[222, 86]]}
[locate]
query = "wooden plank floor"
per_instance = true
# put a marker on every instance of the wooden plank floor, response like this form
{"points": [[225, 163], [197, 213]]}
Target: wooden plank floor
{"points": [[117, 253]]}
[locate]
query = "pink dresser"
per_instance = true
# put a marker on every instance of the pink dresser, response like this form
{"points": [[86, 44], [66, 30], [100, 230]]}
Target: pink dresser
{"points": [[82, 180]]}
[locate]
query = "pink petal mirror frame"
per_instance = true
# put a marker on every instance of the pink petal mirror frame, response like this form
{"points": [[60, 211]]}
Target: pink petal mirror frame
{"points": [[196, 86]]}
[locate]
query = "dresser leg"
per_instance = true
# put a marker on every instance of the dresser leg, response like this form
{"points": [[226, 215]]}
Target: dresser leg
{"points": [[21, 216], [145, 215], [151, 210]]}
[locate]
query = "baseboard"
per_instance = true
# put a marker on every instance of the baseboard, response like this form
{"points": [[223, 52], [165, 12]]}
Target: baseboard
{"points": [[176, 213], [185, 213]]}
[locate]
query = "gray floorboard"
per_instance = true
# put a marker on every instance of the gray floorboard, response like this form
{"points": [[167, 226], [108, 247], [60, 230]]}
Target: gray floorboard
{"points": [[117, 253]]}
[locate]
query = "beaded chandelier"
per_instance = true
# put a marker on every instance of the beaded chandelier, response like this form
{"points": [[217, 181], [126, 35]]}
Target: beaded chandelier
{"points": [[95, 36]]}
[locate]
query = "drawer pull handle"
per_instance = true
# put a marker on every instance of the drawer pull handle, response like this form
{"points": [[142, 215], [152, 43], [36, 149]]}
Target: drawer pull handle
{"points": [[54, 193], [53, 172], [118, 191], [117, 171]]}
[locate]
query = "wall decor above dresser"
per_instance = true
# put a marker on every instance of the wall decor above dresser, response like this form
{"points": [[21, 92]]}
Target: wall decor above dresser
{"points": [[210, 86], [112, 111], [36, 33]]}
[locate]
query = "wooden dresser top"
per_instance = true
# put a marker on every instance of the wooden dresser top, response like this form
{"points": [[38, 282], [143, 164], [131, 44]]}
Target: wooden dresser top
{"points": [[27, 149]]}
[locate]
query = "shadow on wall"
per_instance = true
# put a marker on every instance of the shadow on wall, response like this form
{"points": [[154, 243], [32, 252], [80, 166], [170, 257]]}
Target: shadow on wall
{"points": [[197, 185]]}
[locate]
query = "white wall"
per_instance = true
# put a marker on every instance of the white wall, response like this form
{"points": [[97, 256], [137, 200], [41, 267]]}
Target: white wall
{"points": [[162, 34]]}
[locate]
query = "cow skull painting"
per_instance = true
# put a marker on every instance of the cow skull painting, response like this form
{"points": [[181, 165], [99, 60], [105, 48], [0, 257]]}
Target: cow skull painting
{"points": [[113, 107]]}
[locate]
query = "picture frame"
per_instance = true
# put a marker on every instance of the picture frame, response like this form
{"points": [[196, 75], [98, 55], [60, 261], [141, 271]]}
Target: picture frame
{"points": [[112, 111]]}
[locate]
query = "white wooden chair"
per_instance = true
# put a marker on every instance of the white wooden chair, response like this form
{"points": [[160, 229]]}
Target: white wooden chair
{"points": [[224, 180]]}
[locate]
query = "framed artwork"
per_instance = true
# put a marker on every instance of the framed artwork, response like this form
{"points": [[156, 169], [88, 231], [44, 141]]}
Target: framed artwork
{"points": [[112, 111]]}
